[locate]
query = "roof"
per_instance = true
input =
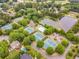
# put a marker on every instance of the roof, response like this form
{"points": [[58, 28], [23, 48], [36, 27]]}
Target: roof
{"points": [[31, 24], [25, 56], [67, 22], [15, 44], [50, 23]]}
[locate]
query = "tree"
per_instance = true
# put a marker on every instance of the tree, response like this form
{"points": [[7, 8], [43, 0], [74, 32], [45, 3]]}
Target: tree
{"points": [[13, 55], [25, 33], [50, 50], [23, 22], [21, 30], [1, 32], [49, 30], [0, 58], [40, 44], [32, 37], [70, 36], [5, 6], [70, 53], [60, 49], [15, 25], [26, 41], [65, 42], [7, 32], [4, 49], [2, 22], [16, 36]]}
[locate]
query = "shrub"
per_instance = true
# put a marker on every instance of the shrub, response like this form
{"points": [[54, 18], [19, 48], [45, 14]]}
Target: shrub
{"points": [[40, 44], [50, 50], [65, 42], [60, 49]]}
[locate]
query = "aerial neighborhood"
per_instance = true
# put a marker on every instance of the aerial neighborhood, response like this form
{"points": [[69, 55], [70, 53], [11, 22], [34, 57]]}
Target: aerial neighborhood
{"points": [[39, 29]]}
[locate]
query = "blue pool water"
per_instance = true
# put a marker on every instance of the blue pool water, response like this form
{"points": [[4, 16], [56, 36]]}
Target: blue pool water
{"points": [[38, 36], [29, 29], [6, 27], [49, 43]]}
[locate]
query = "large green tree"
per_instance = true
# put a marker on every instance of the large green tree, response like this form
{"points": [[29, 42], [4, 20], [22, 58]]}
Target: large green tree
{"points": [[50, 50], [65, 42], [13, 55], [40, 44], [60, 49], [16, 36], [4, 49], [26, 41]]}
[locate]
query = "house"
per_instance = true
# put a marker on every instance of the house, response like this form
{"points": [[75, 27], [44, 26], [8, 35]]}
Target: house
{"points": [[15, 45], [31, 24], [65, 23], [4, 38], [25, 56], [50, 23]]}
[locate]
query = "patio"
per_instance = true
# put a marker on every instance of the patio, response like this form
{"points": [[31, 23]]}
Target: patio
{"points": [[56, 37]]}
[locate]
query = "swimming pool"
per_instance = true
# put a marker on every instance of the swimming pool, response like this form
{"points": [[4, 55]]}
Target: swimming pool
{"points": [[38, 36], [50, 43], [29, 29], [6, 27]]}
